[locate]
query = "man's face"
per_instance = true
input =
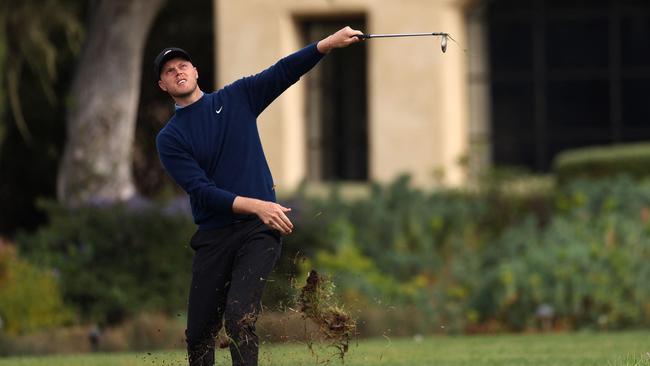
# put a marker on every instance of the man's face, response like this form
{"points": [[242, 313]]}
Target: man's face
{"points": [[178, 77]]}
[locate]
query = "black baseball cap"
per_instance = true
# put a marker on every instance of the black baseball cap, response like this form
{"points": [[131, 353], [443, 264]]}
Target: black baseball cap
{"points": [[166, 55]]}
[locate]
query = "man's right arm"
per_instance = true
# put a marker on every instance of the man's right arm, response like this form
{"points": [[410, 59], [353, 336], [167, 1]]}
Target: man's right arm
{"points": [[263, 88], [342, 38]]}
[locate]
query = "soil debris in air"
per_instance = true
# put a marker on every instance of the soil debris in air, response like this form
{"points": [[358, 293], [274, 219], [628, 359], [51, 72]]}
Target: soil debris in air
{"points": [[316, 302]]}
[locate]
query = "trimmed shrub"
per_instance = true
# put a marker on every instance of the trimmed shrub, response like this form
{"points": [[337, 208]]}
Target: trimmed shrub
{"points": [[603, 161], [115, 261]]}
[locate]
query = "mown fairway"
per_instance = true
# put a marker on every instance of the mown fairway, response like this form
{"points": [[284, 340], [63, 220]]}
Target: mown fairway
{"points": [[614, 349]]}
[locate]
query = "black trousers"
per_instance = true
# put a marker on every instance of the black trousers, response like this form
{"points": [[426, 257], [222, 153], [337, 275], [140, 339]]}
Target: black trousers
{"points": [[229, 272]]}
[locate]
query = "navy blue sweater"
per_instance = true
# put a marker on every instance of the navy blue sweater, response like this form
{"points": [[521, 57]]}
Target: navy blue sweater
{"points": [[212, 148]]}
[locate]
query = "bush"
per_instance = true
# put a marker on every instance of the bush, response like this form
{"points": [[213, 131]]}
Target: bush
{"points": [[115, 261], [590, 263], [30, 299], [486, 259], [396, 241], [605, 161]]}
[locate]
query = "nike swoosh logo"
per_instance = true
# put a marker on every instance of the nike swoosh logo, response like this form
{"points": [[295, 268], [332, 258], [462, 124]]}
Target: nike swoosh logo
{"points": [[219, 110]]}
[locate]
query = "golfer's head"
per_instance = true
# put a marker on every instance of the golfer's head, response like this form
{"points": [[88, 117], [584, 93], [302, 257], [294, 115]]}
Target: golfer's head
{"points": [[176, 73]]}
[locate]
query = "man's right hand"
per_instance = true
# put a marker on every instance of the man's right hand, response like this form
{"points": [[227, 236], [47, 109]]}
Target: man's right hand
{"points": [[343, 38], [271, 213]]}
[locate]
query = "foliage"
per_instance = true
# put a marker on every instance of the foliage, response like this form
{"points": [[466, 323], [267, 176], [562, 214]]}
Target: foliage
{"points": [[604, 161], [29, 168], [21, 283], [38, 43], [28, 31], [115, 261], [487, 259], [590, 262], [481, 260]]}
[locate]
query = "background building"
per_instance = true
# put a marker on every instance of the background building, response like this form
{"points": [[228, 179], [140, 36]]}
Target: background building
{"points": [[538, 77]]}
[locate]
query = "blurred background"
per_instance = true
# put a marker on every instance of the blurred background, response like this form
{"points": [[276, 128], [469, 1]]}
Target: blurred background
{"points": [[500, 187]]}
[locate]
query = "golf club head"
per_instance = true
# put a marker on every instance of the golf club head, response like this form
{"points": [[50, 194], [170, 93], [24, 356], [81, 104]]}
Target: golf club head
{"points": [[443, 43]]}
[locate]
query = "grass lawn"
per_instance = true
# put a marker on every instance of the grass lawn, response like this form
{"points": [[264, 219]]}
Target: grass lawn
{"points": [[609, 349]]}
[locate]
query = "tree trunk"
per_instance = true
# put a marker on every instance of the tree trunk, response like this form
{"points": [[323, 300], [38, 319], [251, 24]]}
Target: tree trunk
{"points": [[102, 110]]}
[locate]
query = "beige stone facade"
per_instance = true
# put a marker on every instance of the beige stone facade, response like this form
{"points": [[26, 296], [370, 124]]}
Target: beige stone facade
{"points": [[418, 97]]}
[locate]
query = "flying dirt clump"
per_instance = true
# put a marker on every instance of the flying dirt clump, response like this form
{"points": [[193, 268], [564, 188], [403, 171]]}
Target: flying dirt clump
{"points": [[316, 302]]}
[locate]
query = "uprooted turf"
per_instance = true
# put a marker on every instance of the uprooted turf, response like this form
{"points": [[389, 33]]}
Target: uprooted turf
{"points": [[316, 303], [582, 349]]}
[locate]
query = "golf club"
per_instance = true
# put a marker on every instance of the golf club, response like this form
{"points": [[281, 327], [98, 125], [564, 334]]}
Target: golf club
{"points": [[443, 41]]}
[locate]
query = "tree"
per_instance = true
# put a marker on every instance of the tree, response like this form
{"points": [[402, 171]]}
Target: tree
{"points": [[96, 164]]}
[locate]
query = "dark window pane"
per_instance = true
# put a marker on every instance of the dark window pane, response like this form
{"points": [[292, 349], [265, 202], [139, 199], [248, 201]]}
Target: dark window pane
{"points": [[510, 46], [640, 6], [501, 7], [337, 129], [578, 106], [577, 5], [577, 44], [512, 124], [636, 134], [635, 41], [636, 102]]}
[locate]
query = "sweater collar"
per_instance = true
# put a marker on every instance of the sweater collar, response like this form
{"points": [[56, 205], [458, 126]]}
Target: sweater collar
{"points": [[178, 107]]}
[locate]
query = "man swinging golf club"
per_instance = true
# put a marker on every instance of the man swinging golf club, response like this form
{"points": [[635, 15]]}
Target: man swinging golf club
{"points": [[211, 148]]}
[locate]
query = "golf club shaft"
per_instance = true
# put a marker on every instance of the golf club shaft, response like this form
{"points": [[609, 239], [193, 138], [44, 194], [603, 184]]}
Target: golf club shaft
{"points": [[394, 35]]}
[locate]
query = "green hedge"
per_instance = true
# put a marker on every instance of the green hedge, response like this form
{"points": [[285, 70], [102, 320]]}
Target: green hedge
{"points": [[115, 261], [605, 161]]}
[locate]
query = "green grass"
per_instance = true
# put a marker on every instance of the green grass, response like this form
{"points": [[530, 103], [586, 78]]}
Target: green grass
{"points": [[608, 349]]}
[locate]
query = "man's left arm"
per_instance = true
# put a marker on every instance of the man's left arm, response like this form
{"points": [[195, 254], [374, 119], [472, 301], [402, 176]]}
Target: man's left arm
{"points": [[265, 87]]}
